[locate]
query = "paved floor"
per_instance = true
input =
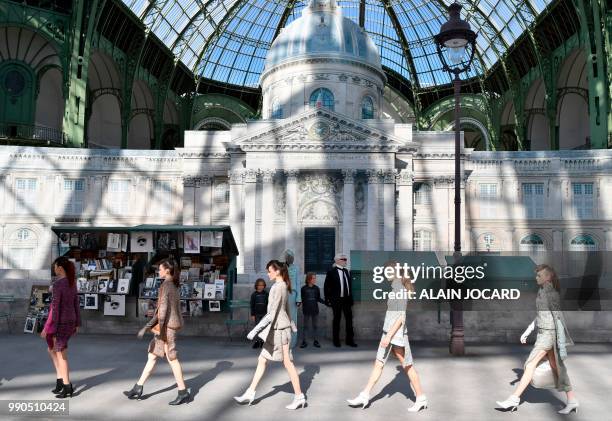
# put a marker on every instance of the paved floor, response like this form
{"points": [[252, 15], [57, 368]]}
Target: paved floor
{"points": [[215, 370]]}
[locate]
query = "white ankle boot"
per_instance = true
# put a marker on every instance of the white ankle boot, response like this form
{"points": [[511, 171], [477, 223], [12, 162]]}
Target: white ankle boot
{"points": [[298, 401], [511, 403], [420, 403], [362, 400], [247, 396], [571, 406]]}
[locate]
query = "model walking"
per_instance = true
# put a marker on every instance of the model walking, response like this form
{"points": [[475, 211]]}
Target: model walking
{"points": [[294, 298], [551, 341], [394, 339], [63, 322], [275, 330], [165, 323]]}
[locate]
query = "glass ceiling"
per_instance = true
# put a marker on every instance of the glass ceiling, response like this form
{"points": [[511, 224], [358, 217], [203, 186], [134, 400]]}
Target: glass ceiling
{"points": [[227, 40]]}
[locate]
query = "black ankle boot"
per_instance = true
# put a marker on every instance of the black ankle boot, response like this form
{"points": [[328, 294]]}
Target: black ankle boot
{"points": [[135, 392], [59, 384], [183, 397], [66, 391]]}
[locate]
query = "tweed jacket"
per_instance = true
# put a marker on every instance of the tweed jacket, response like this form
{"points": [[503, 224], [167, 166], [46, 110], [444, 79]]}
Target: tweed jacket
{"points": [[66, 315], [277, 316], [549, 302], [168, 311]]}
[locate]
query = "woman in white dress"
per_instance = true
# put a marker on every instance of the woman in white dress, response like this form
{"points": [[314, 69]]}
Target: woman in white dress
{"points": [[275, 330], [394, 339]]}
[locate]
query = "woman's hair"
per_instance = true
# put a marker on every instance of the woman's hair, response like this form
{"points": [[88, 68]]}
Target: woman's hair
{"points": [[282, 268], [260, 281], [406, 280], [68, 267], [554, 279], [308, 276], [170, 264]]}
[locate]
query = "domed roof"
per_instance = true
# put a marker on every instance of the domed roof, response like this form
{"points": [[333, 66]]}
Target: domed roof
{"points": [[323, 31]]}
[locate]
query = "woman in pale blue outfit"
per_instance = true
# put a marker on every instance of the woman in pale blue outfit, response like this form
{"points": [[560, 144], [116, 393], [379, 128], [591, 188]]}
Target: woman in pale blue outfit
{"points": [[295, 297]]}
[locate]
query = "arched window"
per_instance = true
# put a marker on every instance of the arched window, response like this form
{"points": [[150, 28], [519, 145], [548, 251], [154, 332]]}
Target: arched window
{"points": [[583, 242], [422, 194], [422, 240], [367, 108], [322, 98], [277, 109], [532, 242]]}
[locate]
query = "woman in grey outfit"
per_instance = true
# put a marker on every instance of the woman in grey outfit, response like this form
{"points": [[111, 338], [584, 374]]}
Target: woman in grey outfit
{"points": [[394, 339], [275, 330], [551, 341]]}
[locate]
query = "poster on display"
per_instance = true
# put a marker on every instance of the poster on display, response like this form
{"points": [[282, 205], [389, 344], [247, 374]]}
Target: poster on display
{"points": [[209, 292], [214, 306], [123, 286], [91, 301], [142, 242], [114, 305], [113, 242], [30, 325], [191, 243]]}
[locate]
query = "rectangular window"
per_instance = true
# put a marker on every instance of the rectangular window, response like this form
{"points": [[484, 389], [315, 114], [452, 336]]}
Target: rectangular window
{"points": [[119, 197], [582, 199], [25, 195], [74, 196], [488, 200], [533, 200], [162, 197], [422, 241]]}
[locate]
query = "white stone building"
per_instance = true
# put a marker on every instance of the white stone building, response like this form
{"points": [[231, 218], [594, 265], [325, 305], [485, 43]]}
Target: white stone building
{"points": [[325, 167]]}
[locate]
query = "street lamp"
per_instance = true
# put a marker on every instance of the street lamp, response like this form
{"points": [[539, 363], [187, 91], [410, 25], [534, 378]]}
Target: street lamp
{"points": [[456, 44]]}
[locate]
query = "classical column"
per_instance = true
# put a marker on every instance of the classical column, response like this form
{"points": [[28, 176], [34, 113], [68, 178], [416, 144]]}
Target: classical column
{"points": [[267, 216], [235, 214], [372, 240], [389, 210], [405, 210], [203, 201], [348, 211], [291, 208], [250, 184], [608, 238], [188, 200]]}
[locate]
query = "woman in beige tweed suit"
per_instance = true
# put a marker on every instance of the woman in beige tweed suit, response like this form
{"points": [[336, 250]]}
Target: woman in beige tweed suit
{"points": [[169, 320], [275, 329]]}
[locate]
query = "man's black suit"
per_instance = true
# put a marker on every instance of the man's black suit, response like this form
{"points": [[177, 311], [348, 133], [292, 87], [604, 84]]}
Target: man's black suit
{"points": [[339, 304]]}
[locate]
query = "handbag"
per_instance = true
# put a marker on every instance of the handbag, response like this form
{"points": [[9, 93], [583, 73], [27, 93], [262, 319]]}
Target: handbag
{"points": [[543, 377]]}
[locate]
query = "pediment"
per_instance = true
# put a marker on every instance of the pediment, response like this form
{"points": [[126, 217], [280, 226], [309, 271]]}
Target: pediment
{"points": [[320, 129]]}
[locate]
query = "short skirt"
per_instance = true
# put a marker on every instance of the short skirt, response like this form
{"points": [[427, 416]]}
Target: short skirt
{"points": [[382, 354], [272, 348], [57, 343], [157, 347]]}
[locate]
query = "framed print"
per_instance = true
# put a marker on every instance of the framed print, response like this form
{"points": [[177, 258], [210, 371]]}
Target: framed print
{"points": [[102, 285], [114, 305], [91, 301], [214, 306], [123, 286], [30, 325], [141, 242]]}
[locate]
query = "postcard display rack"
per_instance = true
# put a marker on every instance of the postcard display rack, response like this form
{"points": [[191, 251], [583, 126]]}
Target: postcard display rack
{"points": [[104, 258]]}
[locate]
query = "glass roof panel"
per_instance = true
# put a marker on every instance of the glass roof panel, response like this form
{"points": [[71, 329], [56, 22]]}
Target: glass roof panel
{"points": [[227, 40]]}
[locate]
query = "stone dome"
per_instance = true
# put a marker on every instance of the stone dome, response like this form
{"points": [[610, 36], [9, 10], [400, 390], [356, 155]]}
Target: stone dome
{"points": [[322, 31]]}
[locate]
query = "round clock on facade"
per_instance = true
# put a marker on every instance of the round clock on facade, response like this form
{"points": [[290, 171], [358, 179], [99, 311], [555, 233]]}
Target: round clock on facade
{"points": [[319, 130]]}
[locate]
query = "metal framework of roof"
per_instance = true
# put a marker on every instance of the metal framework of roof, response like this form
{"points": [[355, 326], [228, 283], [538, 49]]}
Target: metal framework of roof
{"points": [[227, 40]]}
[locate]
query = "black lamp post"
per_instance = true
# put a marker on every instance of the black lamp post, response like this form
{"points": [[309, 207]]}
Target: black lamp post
{"points": [[456, 44]]}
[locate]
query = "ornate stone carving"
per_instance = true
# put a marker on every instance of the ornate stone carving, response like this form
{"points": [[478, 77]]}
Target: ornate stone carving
{"points": [[389, 176], [373, 176], [292, 175], [360, 198], [236, 176], [268, 175], [320, 211], [405, 178], [320, 185], [280, 200], [250, 175], [189, 181], [349, 176]]}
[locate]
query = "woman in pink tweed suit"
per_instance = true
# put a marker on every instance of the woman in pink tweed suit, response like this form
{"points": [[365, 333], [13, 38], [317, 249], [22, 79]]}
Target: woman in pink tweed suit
{"points": [[63, 322]]}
